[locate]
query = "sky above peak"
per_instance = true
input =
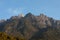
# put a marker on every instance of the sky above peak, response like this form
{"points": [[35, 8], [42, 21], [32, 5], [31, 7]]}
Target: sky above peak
{"points": [[10, 8]]}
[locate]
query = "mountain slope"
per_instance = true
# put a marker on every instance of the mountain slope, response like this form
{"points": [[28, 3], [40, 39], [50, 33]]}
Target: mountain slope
{"points": [[32, 27]]}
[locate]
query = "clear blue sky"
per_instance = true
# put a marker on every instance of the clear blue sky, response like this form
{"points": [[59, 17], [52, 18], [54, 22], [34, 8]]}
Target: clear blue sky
{"points": [[10, 8]]}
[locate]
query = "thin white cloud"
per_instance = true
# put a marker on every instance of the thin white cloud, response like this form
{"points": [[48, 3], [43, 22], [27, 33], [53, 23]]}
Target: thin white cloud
{"points": [[15, 10]]}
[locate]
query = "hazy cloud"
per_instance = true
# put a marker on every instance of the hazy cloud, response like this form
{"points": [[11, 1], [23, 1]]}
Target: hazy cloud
{"points": [[15, 10]]}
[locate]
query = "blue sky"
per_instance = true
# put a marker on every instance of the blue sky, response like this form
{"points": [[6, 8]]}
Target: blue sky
{"points": [[10, 8]]}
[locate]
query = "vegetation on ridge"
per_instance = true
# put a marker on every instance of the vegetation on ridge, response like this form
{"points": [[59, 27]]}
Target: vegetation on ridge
{"points": [[4, 36]]}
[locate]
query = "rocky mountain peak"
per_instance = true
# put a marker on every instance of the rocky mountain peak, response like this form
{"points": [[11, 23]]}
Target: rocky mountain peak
{"points": [[21, 15], [32, 27], [29, 15], [2, 20], [17, 17], [42, 15]]}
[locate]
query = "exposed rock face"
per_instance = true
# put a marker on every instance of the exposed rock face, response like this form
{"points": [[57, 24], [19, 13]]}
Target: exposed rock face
{"points": [[2, 21], [20, 15], [32, 27]]}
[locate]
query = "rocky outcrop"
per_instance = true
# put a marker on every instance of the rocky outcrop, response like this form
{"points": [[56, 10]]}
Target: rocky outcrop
{"points": [[32, 27]]}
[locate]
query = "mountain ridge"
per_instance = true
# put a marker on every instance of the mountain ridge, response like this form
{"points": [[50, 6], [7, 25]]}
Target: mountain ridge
{"points": [[32, 27]]}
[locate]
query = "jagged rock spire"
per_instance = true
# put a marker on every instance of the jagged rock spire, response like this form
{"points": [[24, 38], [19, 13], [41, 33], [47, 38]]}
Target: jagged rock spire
{"points": [[29, 14], [42, 15]]}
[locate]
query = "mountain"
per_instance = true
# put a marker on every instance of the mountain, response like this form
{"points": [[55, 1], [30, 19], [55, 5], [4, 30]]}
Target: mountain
{"points": [[32, 27], [4, 36]]}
